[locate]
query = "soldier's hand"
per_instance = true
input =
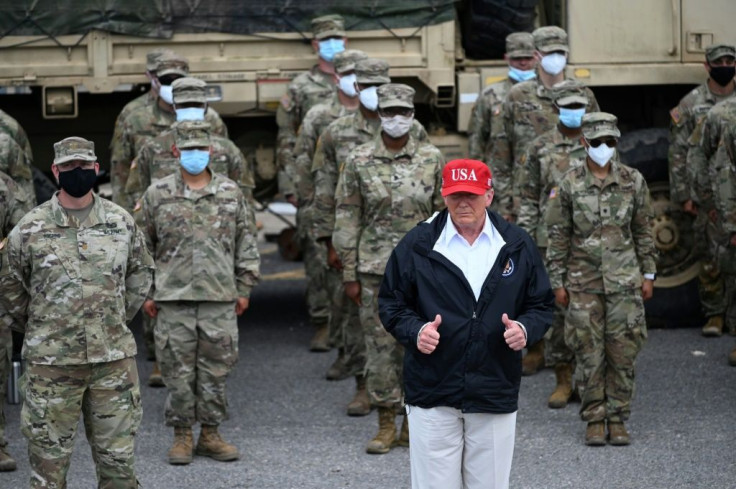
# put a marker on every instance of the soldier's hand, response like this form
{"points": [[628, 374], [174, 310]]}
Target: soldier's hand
{"points": [[514, 335], [647, 289], [689, 207], [241, 305], [149, 307], [561, 296], [333, 259], [429, 338], [352, 290]]}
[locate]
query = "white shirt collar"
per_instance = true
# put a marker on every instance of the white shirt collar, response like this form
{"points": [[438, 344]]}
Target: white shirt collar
{"points": [[451, 231]]}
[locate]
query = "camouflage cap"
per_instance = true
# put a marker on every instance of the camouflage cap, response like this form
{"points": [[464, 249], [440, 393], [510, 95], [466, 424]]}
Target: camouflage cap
{"points": [[568, 92], [74, 148], [395, 95], [192, 134], [345, 61], [189, 89], [328, 26], [172, 64], [372, 70], [520, 45], [716, 51], [550, 38], [154, 56], [600, 124]]}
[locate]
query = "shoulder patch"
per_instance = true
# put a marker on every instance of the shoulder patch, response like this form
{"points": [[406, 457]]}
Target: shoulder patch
{"points": [[676, 116], [286, 102], [554, 192]]}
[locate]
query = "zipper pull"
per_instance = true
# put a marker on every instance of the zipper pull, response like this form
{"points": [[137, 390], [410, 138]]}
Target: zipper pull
{"points": [[474, 316]]}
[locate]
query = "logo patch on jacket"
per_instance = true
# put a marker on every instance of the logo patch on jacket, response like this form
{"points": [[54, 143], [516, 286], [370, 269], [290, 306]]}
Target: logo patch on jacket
{"points": [[508, 269]]}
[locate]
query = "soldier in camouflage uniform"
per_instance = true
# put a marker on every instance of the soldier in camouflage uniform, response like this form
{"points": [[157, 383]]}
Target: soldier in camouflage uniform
{"points": [[308, 89], [486, 123], [74, 272], [14, 204], [14, 130], [547, 159], [15, 163], [685, 118], [324, 285], [148, 121], [333, 148], [528, 112], [387, 185], [197, 225], [601, 263]]}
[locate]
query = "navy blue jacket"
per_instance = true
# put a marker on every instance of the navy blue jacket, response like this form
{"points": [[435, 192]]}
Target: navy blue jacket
{"points": [[472, 368]]}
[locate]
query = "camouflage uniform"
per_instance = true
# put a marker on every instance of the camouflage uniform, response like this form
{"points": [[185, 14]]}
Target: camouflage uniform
{"points": [[304, 92], [380, 196], [206, 257], [486, 123], [547, 159], [600, 245], [144, 124], [528, 110], [72, 287], [14, 130], [13, 206], [15, 163]]}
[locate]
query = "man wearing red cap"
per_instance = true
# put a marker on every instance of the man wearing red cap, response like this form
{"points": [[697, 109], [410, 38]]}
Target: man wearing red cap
{"points": [[464, 292]]}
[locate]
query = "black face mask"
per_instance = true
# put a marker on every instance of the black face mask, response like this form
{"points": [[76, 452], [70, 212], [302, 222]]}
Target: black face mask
{"points": [[722, 74], [77, 182]]}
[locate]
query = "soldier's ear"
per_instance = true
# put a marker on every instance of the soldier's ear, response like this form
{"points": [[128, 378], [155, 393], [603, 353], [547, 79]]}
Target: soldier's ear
{"points": [[175, 151]]}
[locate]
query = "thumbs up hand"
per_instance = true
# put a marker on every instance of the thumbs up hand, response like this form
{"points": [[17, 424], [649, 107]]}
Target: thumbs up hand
{"points": [[429, 338], [513, 335]]}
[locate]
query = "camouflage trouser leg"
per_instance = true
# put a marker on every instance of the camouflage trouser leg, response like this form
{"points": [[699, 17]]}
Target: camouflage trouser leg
{"points": [[710, 282], [149, 325], [555, 349], [108, 396], [730, 286], [6, 352], [197, 347], [606, 332], [315, 267], [384, 355], [350, 332]]}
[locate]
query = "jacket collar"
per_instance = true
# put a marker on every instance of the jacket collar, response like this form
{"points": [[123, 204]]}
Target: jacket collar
{"points": [[61, 218], [380, 150], [613, 177]]}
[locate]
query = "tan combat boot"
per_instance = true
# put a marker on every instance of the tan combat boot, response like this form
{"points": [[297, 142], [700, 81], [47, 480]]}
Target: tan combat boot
{"points": [[732, 358], [181, 450], [404, 433], [212, 445], [563, 390], [617, 434], [156, 380], [7, 463], [361, 404], [337, 370], [714, 327], [385, 440], [595, 434], [320, 342], [534, 359]]}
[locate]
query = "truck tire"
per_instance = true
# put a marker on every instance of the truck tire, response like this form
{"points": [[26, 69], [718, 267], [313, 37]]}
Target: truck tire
{"points": [[486, 23], [676, 302]]}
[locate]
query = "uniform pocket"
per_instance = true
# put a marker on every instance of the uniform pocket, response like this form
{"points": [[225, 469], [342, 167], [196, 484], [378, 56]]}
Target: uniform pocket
{"points": [[33, 422]]}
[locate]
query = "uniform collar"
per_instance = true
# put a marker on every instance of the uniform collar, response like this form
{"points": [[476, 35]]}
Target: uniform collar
{"points": [[380, 151], [184, 191], [320, 77], [560, 139], [96, 216], [613, 177]]}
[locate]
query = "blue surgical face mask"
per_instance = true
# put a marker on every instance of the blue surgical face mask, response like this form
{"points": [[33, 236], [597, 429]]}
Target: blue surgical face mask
{"points": [[194, 161], [190, 114], [328, 48], [571, 118], [521, 75], [369, 98], [166, 93]]}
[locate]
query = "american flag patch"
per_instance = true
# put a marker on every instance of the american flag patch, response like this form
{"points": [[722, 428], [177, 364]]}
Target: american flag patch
{"points": [[553, 193]]}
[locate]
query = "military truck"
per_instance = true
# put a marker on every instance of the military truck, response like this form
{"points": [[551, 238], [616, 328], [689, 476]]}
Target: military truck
{"points": [[68, 67]]}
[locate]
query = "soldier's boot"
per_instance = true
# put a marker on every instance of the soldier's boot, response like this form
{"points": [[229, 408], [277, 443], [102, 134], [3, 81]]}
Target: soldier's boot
{"points": [[595, 434], [617, 434], [385, 439], [337, 370], [563, 391], [714, 326], [361, 403], [404, 433], [156, 380], [320, 342], [182, 448], [534, 359], [732, 358], [7, 463], [212, 445]]}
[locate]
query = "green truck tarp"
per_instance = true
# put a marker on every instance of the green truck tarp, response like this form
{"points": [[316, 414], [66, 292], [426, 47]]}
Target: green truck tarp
{"points": [[163, 18]]}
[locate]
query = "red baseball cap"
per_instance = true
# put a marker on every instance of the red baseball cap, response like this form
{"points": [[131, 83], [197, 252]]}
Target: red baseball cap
{"points": [[470, 176]]}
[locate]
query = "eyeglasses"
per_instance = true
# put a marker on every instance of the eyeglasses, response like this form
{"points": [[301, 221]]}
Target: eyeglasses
{"points": [[71, 165], [610, 142]]}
